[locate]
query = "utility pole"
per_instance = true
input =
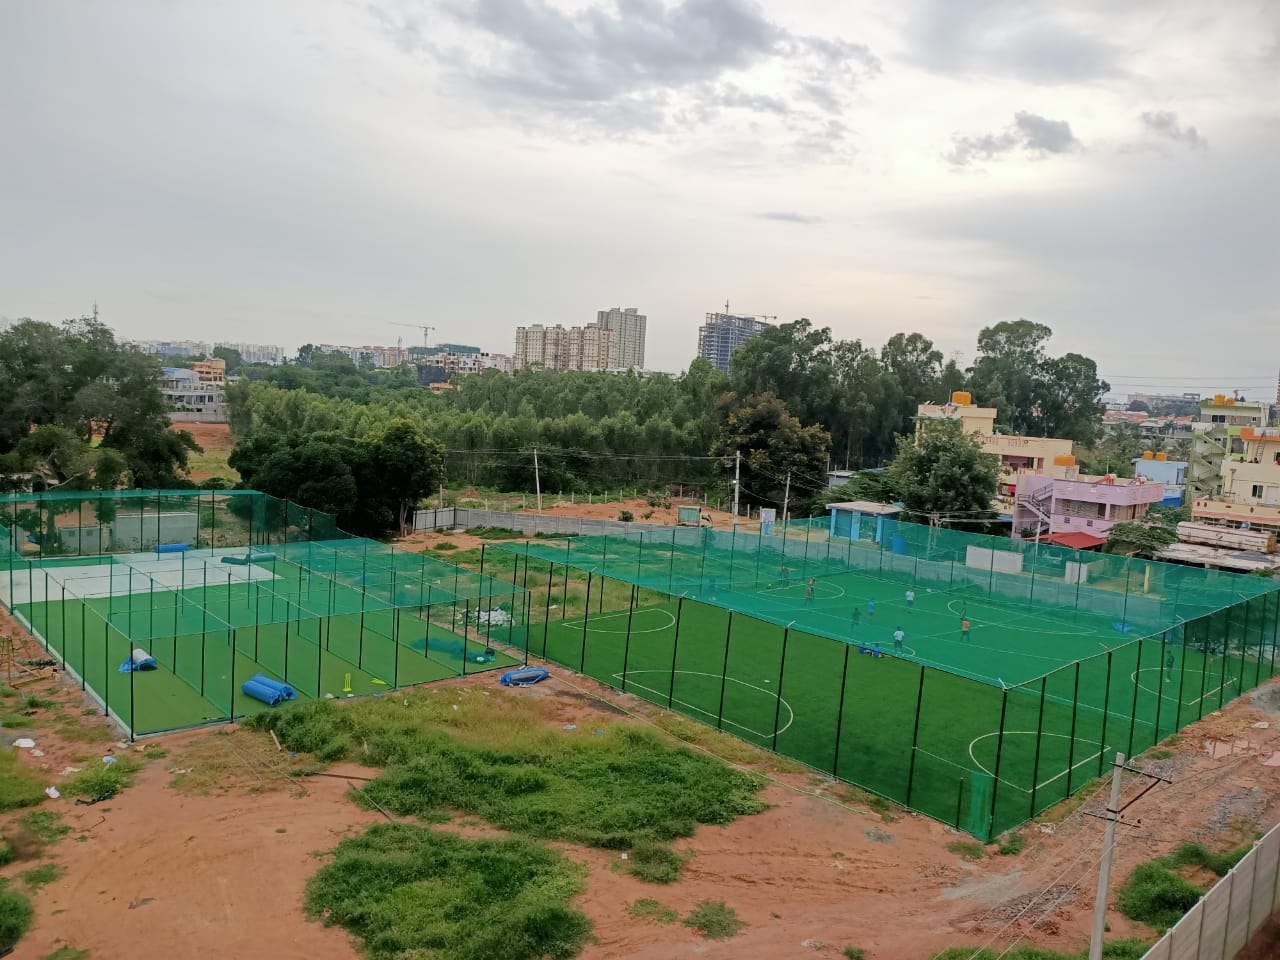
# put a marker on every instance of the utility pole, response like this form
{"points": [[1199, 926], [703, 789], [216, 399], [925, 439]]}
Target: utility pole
{"points": [[537, 480], [737, 473], [1108, 845], [786, 496]]}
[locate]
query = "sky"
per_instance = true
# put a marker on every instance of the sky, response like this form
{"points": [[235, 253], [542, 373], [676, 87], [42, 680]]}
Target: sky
{"points": [[289, 172]]}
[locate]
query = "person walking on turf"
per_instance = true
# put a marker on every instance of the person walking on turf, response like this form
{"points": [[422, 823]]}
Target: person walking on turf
{"points": [[808, 591], [911, 599], [1168, 667], [855, 618], [964, 629], [898, 637], [871, 608]]}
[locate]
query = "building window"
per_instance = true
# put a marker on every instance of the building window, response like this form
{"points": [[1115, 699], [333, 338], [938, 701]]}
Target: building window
{"points": [[1257, 491], [1217, 418]]}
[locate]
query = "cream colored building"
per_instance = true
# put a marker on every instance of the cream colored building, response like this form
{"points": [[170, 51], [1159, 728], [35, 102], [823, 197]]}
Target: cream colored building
{"points": [[1034, 456], [1216, 438], [629, 324], [589, 347], [210, 371], [1248, 484]]}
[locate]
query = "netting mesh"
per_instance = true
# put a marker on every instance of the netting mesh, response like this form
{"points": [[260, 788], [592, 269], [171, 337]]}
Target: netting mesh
{"points": [[218, 586], [976, 679]]}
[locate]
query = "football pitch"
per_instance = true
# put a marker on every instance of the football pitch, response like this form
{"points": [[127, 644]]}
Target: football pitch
{"points": [[982, 731]]}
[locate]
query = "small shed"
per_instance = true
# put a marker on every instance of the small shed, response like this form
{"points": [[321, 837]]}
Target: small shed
{"points": [[861, 519], [688, 516]]}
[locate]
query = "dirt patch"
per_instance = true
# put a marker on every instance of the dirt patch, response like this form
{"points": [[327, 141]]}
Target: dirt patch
{"points": [[217, 442]]}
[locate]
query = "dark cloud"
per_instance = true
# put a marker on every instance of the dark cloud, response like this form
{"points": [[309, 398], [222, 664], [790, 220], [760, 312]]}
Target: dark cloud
{"points": [[1164, 123], [787, 216], [1030, 132], [636, 65], [1032, 40]]}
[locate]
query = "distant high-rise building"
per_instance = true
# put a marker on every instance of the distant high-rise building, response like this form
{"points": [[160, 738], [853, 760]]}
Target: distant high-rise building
{"points": [[590, 347], [724, 333], [630, 325]]}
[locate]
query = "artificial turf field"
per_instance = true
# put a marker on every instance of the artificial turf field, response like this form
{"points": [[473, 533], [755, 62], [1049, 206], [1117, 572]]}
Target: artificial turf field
{"points": [[209, 640], [1080, 688]]}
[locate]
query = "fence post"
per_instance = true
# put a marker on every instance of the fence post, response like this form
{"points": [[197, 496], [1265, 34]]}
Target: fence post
{"points": [[724, 672], [626, 649], [1035, 763], [1071, 747], [844, 679], [1159, 687], [782, 665], [995, 777], [586, 613], [1106, 713], [675, 645], [915, 733]]}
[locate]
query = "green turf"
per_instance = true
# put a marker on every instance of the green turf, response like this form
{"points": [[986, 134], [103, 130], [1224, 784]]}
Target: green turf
{"points": [[1078, 690], [321, 637]]}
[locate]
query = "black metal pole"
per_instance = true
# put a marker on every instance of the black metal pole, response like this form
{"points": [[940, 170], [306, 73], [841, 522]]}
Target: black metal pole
{"points": [[1035, 763], [675, 646], [1106, 713], [1071, 747], [777, 707], [1155, 737], [586, 613], [626, 650], [724, 671], [844, 679], [915, 732], [995, 777]]}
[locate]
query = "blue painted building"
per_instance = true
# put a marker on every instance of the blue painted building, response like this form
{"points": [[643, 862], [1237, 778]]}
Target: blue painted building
{"points": [[1172, 473], [862, 520]]}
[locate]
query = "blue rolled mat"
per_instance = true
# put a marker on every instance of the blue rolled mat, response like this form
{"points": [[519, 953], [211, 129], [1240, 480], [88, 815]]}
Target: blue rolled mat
{"points": [[261, 557], [237, 561], [285, 691], [523, 676], [172, 547], [260, 691]]}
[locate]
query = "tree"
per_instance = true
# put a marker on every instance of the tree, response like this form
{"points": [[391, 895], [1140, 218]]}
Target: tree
{"points": [[876, 486], [945, 476], [1139, 406], [1140, 538], [403, 466], [773, 444], [230, 356]]}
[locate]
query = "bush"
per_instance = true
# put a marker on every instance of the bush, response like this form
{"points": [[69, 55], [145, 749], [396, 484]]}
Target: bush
{"points": [[496, 533], [853, 953], [412, 891], [967, 849], [1156, 896], [37, 877], [15, 917], [626, 516], [646, 908], [714, 920], [1011, 844], [101, 782], [18, 787], [46, 825], [655, 863]]}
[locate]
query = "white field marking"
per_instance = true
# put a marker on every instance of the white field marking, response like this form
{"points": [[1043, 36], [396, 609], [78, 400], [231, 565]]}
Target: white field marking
{"points": [[714, 676], [817, 588], [1188, 703], [1077, 631], [1031, 733], [592, 628]]}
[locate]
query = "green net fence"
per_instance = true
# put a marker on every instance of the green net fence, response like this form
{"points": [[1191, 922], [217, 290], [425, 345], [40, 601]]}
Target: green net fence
{"points": [[975, 679], [214, 587]]}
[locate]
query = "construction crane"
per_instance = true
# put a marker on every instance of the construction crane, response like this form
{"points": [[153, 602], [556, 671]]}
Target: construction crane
{"points": [[426, 330], [757, 316]]}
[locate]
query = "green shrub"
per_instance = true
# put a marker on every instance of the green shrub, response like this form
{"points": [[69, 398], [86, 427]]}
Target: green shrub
{"points": [[655, 863], [37, 877], [19, 787], [45, 824], [967, 849], [413, 891], [1011, 844], [626, 516], [853, 953], [646, 908], [496, 533], [1114, 950], [714, 920], [7, 854], [68, 953], [15, 917], [102, 781], [1156, 896], [445, 545]]}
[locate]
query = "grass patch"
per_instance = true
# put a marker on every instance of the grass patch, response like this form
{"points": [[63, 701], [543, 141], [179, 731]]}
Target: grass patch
{"points": [[68, 953], [222, 761], [1113, 950], [727, 748], [714, 920], [1011, 844], [37, 877], [493, 757], [967, 849], [16, 721], [412, 891], [1060, 811], [34, 702], [444, 545], [7, 854], [19, 787], [15, 916], [655, 863], [101, 782], [1157, 893], [496, 533], [889, 811], [853, 953], [646, 908], [46, 825], [1159, 754], [155, 753]]}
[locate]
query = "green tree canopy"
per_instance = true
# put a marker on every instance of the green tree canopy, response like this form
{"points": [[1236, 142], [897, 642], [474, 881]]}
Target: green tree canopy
{"points": [[773, 445], [945, 476]]}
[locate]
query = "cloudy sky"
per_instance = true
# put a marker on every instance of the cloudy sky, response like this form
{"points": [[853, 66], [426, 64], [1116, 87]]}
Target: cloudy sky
{"points": [[311, 171]]}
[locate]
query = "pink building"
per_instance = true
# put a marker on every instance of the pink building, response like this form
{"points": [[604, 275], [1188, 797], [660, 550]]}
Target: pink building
{"points": [[1077, 510]]}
